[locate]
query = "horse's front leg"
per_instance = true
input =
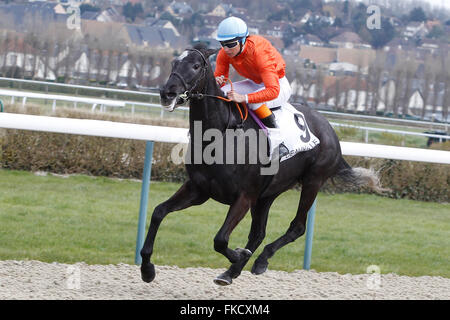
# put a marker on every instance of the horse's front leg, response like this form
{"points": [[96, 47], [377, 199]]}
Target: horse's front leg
{"points": [[188, 195], [235, 214]]}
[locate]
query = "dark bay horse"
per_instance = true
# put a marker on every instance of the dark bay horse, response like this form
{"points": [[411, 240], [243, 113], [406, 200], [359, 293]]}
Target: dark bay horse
{"points": [[242, 186]]}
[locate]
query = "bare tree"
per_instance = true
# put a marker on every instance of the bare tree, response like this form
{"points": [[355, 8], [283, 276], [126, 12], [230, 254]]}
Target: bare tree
{"points": [[399, 76], [69, 61], [319, 86], [14, 63], [119, 64], [89, 54], [446, 97], [358, 87], [376, 89], [407, 93], [426, 92], [150, 63], [436, 82], [5, 49], [131, 66], [337, 93]]}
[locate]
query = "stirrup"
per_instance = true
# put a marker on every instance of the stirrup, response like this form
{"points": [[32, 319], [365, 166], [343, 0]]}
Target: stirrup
{"points": [[283, 150]]}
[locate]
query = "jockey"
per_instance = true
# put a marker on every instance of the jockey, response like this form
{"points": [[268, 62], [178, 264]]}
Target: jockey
{"points": [[254, 58]]}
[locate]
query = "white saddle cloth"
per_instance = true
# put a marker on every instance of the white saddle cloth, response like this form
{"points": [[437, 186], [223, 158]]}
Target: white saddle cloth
{"points": [[294, 131]]}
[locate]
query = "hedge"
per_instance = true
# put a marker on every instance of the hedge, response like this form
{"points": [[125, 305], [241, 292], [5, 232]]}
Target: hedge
{"points": [[74, 154]]}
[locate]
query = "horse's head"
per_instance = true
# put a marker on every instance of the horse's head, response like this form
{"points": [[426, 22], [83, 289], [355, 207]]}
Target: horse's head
{"points": [[189, 71]]}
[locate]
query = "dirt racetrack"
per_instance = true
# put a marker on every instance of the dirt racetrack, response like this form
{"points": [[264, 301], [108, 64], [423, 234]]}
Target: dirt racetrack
{"points": [[38, 280]]}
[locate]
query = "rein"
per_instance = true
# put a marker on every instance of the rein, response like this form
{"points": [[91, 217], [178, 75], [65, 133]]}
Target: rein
{"points": [[202, 95], [188, 94]]}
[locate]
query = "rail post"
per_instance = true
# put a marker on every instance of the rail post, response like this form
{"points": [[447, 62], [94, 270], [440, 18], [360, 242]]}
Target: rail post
{"points": [[144, 201], [309, 236]]}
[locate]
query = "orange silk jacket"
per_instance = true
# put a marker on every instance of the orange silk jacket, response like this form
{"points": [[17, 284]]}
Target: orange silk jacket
{"points": [[260, 62]]}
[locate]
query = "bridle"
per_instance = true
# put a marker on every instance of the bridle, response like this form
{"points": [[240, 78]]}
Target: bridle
{"points": [[188, 94]]}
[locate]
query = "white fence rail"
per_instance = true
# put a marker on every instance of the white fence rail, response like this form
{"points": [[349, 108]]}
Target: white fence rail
{"points": [[56, 97], [368, 129], [75, 86], [102, 103], [179, 135], [385, 119]]}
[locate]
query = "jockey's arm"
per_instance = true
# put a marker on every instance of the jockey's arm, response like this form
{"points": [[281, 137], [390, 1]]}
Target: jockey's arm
{"points": [[272, 88], [222, 68]]}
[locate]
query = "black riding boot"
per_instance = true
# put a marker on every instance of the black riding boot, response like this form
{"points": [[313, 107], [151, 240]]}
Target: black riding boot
{"points": [[270, 122]]}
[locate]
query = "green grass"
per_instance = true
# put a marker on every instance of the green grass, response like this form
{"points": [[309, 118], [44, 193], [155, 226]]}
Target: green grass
{"points": [[94, 219]]}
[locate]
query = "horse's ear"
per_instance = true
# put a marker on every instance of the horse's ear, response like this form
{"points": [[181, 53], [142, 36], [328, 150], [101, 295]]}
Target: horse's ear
{"points": [[210, 52]]}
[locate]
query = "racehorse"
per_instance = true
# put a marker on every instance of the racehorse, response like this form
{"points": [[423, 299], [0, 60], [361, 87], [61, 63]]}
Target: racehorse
{"points": [[242, 186]]}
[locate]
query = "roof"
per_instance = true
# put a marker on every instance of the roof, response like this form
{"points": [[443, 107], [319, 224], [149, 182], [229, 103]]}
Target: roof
{"points": [[90, 15], [155, 36], [21, 14]]}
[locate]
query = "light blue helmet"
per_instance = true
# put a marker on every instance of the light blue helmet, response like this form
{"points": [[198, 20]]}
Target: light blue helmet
{"points": [[232, 28]]}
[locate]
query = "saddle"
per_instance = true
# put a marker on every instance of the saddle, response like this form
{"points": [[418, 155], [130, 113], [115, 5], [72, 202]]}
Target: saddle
{"points": [[294, 133]]}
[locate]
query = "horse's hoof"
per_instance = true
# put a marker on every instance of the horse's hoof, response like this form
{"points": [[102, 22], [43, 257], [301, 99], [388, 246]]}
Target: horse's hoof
{"points": [[259, 268], [148, 272], [244, 253], [223, 280]]}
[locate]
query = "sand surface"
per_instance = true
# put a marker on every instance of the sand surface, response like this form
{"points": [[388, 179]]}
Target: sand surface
{"points": [[38, 280]]}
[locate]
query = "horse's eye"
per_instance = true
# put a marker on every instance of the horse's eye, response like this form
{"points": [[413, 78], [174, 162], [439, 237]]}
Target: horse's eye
{"points": [[196, 66]]}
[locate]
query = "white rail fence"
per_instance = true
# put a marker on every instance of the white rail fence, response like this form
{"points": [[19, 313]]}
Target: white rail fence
{"points": [[392, 131], [75, 86], [104, 103], [180, 135]]}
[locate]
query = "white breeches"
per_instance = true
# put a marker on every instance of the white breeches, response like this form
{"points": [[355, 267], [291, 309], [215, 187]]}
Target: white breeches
{"points": [[248, 86]]}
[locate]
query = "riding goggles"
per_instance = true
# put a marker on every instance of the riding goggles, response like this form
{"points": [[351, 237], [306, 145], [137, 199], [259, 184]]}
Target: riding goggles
{"points": [[229, 44]]}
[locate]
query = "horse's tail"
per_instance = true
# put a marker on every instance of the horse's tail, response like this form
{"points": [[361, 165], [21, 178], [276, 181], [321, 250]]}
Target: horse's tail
{"points": [[358, 177]]}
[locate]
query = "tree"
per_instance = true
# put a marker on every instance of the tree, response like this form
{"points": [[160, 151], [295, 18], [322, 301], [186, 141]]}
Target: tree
{"points": [[417, 15], [281, 15], [338, 23], [131, 11], [87, 7], [436, 33], [380, 37]]}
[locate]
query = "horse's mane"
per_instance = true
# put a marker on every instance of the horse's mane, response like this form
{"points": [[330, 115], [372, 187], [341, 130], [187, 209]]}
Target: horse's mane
{"points": [[201, 46]]}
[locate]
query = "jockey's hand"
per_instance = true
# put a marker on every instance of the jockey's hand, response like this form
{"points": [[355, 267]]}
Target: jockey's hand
{"points": [[237, 97], [220, 80]]}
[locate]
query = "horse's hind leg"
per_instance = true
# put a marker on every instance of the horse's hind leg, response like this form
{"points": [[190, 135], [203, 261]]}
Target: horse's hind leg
{"points": [[296, 228], [188, 195], [260, 213]]}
